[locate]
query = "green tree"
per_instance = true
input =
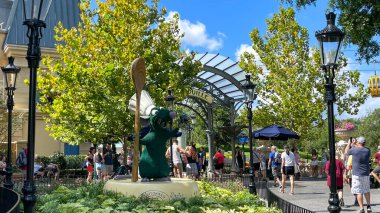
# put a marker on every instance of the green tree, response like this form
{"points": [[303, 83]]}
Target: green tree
{"points": [[290, 84], [360, 19], [369, 128], [16, 122], [85, 93]]}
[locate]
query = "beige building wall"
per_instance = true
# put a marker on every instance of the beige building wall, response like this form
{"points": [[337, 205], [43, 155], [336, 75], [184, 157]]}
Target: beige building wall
{"points": [[45, 145]]}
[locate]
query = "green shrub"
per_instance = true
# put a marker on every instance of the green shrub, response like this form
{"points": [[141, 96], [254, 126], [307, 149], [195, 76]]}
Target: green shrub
{"points": [[45, 160], [58, 158], [92, 198], [74, 161]]}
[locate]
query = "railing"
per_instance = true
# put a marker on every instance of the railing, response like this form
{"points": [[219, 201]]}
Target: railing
{"points": [[285, 206], [263, 192], [46, 184], [9, 201]]}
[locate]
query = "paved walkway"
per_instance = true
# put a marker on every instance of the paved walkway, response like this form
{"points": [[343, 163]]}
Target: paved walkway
{"points": [[313, 194]]}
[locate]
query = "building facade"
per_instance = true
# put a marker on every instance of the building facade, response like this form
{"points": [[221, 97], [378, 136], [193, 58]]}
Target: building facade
{"points": [[13, 42]]}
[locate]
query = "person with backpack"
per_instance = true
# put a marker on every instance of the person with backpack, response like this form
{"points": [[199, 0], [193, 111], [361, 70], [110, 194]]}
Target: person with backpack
{"points": [[275, 163], [22, 161]]}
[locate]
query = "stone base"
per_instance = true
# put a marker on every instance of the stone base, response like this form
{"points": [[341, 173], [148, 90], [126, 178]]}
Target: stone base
{"points": [[161, 190]]}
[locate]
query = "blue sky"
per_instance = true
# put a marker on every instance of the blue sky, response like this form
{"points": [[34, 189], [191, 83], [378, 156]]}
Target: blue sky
{"points": [[223, 26]]}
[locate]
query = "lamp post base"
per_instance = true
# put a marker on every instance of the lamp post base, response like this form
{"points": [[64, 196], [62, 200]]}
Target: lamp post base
{"points": [[252, 185], [29, 199], [334, 203], [171, 167]]}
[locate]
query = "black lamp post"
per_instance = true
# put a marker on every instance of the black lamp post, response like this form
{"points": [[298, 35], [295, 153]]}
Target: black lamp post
{"points": [[10, 74], [330, 39], [248, 89], [169, 99], [35, 12]]}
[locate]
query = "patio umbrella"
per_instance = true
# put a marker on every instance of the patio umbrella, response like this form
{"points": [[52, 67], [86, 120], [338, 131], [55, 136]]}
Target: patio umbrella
{"points": [[275, 132]]}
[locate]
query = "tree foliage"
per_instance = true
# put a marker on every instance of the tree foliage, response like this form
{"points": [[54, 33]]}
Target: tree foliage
{"points": [[360, 19], [85, 93], [16, 120], [290, 84], [369, 128]]}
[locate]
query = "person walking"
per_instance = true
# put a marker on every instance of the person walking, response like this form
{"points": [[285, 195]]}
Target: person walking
{"points": [[287, 169], [275, 162], [360, 173], [177, 161], [90, 164], [256, 162], [348, 164], [191, 166], [99, 164], [314, 163], [239, 160], [218, 161], [201, 159], [108, 161], [339, 178], [325, 158], [263, 166], [376, 171], [297, 172]]}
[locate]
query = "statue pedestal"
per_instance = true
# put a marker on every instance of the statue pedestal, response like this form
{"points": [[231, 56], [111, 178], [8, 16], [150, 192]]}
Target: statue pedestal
{"points": [[160, 190]]}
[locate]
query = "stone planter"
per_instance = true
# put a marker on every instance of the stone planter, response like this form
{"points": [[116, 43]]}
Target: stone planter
{"points": [[345, 134]]}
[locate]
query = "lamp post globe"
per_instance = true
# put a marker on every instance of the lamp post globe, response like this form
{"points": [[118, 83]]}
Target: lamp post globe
{"points": [[169, 99], [10, 75], [35, 12], [330, 41], [249, 95]]}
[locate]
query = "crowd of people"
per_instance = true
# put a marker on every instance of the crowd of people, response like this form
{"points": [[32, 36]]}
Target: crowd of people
{"points": [[189, 159], [100, 163], [354, 170]]}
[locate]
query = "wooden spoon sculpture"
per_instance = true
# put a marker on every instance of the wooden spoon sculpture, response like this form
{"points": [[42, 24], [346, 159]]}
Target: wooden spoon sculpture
{"points": [[138, 76]]}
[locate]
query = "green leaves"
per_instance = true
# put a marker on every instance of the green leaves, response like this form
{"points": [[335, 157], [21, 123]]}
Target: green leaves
{"points": [[290, 82], [360, 21], [212, 199], [85, 93]]}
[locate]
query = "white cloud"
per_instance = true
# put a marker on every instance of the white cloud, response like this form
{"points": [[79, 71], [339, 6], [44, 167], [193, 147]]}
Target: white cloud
{"points": [[246, 48], [369, 106], [196, 35]]}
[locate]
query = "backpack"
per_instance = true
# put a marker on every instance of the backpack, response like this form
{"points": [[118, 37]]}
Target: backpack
{"points": [[21, 159], [84, 164], [277, 158]]}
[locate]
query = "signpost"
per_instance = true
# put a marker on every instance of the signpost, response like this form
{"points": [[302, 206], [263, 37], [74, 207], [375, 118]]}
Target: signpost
{"points": [[243, 139]]}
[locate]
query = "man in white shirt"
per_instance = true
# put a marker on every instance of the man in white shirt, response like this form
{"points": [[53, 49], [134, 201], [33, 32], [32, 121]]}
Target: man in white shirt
{"points": [[287, 169], [177, 161]]}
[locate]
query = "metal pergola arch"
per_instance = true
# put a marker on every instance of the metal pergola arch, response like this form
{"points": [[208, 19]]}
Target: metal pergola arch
{"points": [[222, 79]]}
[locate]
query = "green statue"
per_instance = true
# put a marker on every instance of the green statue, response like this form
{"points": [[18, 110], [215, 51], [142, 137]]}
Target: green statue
{"points": [[153, 163]]}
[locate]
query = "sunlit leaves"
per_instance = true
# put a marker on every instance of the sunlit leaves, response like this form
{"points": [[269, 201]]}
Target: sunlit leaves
{"points": [[85, 93], [290, 84]]}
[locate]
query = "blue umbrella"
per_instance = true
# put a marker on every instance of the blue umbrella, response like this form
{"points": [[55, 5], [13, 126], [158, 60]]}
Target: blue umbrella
{"points": [[275, 132]]}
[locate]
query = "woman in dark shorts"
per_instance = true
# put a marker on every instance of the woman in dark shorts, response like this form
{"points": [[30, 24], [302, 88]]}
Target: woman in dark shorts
{"points": [[287, 169]]}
